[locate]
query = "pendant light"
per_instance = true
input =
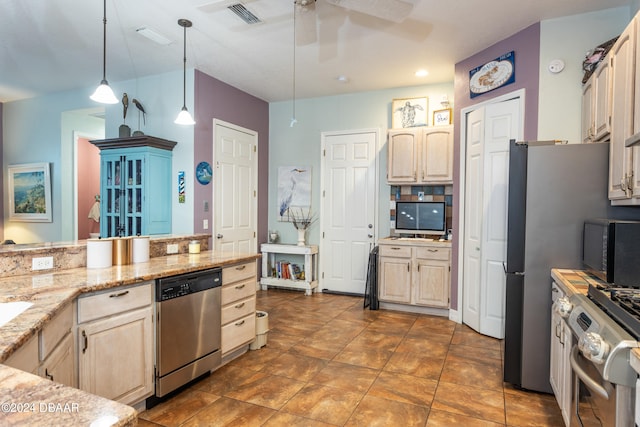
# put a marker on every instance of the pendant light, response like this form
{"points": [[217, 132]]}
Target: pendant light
{"points": [[293, 83], [184, 118], [103, 93]]}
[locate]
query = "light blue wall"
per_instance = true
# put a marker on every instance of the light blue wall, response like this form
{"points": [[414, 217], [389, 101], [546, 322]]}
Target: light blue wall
{"points": [[569, 39], [300, 145], [34, 131]]}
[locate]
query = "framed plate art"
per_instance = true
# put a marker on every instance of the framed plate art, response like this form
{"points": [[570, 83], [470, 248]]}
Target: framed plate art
{"points": [[409, 112], [30, 192]]}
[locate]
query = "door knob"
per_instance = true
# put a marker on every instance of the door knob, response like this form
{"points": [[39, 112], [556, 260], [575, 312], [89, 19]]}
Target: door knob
{"points": [[219, 236], [370, 235]]}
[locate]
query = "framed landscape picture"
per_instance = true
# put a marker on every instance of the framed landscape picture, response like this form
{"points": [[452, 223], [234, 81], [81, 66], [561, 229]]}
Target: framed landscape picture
{"points": [[409, 112], [30, 192]]}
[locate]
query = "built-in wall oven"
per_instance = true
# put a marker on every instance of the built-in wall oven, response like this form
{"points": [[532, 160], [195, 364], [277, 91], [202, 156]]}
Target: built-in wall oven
{"points": [[604, 386], [188, 328]]}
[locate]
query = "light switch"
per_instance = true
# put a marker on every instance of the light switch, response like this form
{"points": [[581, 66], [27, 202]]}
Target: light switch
{"points": [[205, 224], [206, 206]]}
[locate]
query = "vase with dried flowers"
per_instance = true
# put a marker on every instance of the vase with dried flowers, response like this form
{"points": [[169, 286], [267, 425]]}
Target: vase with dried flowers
{"points": [[301, 220]]}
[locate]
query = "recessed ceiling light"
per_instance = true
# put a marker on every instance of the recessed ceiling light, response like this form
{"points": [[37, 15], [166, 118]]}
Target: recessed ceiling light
{"points": [[342, 79], [152, 34], [422, 73]]}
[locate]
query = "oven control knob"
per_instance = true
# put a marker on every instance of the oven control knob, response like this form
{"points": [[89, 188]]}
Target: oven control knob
{"points": [[563, 307], [594, 347]]}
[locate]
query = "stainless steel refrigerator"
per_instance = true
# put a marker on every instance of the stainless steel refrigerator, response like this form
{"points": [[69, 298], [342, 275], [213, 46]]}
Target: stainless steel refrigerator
{"points": [[552, 190]]}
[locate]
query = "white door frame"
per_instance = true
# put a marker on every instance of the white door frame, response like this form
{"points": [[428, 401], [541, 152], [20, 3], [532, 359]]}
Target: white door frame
{"points": [[456, 315], [254, 134], [376, 217], [77, 135]]}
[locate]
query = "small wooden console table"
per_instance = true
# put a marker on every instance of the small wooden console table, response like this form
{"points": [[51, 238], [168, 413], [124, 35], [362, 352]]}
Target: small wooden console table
{"points": [[310, 253]]}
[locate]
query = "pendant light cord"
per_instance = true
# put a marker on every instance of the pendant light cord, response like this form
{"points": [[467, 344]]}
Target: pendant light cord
{"points": [[104, 41], [184, 69], [294, 61]]}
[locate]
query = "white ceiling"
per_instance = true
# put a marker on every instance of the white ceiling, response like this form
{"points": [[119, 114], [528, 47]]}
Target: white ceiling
{"points": [[56, 45]]}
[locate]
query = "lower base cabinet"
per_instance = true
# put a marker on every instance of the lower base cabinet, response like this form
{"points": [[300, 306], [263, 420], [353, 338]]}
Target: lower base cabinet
{"points": [[115, 351], [59, 366], [414, 272], [238, 306]]}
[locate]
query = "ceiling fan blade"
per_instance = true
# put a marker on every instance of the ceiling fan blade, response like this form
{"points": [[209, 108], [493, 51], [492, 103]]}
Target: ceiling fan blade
{"points": [[390, 10], [305, 22]]}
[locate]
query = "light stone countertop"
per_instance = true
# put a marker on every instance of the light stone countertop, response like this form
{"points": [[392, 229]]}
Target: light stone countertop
{"points": [[50, 293]]}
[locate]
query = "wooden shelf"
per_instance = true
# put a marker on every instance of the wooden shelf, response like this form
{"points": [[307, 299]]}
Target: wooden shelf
{"points": [[310, 253]]}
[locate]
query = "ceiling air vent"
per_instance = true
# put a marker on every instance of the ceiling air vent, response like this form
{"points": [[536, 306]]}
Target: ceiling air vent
{"points": [[244, 13]]}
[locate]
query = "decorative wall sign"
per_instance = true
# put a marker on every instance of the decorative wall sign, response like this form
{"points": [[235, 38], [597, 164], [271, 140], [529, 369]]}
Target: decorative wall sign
{"points": [[294, 190], [204, 173], [409, 112], [492, 75], [442, 117], [181, 194], [30, 192]]}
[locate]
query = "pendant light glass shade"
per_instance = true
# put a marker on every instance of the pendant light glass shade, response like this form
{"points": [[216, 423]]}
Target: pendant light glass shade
{"points": [[184, 118], [103, 93]]}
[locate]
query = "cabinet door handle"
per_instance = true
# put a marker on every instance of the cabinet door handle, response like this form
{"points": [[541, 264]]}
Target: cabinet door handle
{"points": [[394, 248], [242, 267], [86, 342], [47, 374], [432, 250], [240, 305], [119, 294], [239, 286], [240, 323], [408, 266]]}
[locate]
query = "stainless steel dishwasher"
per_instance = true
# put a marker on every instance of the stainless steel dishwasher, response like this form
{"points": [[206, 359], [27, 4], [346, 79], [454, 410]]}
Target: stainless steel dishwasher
{"points": [[188, 328]]}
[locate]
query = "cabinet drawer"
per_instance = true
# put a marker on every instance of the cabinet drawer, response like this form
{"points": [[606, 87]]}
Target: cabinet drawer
{"points": [[238, 291], [395, 251], [235, 273], [116, 300], [433, 253], [55, 330], [238, 309], [237, 333]]}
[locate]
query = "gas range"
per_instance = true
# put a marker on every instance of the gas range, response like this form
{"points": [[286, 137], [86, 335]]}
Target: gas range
{"points": [[621, 304], [605, 331]]}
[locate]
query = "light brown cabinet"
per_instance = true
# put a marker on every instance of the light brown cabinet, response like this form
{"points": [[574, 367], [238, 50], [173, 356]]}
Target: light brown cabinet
{"points": [[622, 165], [50, 353], [414, 272], [238, 307], [115, 348], [420, 155], [596, 104]]}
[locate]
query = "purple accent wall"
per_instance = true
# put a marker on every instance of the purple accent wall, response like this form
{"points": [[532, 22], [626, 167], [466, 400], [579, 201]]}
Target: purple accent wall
{"points": [[217, 100], [526, 45], [1, 179]]}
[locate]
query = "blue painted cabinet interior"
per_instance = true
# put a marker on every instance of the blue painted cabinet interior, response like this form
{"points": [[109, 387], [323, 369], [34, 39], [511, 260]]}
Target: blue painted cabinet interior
{"points": [[135, 187]]}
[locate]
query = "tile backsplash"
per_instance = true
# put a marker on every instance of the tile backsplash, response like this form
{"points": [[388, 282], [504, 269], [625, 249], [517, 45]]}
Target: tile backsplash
{"points": [[430, 193]]}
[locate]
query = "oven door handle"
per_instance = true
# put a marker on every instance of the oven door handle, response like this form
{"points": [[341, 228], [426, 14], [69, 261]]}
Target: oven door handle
{"points": [[592, 384]]}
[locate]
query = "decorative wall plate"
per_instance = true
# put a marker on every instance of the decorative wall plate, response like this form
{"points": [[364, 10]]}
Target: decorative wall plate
{"points": [[204, 173], [492, 75]]}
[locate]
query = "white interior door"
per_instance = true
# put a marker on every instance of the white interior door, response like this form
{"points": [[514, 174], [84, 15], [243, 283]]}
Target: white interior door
{"points": [[235, 188], [348, 209], [489, 130]]}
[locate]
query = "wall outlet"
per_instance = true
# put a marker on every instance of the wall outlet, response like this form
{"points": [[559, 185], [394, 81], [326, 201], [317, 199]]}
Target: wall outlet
{"points": [[172, 248], [42, 263]]}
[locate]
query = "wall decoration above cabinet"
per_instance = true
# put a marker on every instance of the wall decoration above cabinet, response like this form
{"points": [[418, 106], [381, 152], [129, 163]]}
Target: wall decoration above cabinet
{"points": [[409, 112], [135, 185], [420, 156]]}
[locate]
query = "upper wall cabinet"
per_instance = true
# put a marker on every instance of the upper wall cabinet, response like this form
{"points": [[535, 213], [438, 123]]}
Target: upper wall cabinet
{"points": [[623, 101], [135, 186], [596, 104], [420, 155]]}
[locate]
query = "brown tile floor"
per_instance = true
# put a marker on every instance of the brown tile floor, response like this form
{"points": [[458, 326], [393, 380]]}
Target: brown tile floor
{"points": [[328, 362]]}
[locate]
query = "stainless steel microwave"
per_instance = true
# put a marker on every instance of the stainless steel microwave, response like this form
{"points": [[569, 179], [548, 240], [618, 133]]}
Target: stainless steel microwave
{"points": [[611, 251]]}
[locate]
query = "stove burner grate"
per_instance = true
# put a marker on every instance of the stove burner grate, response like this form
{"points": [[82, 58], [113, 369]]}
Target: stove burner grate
{"points": [[621, 304]]}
